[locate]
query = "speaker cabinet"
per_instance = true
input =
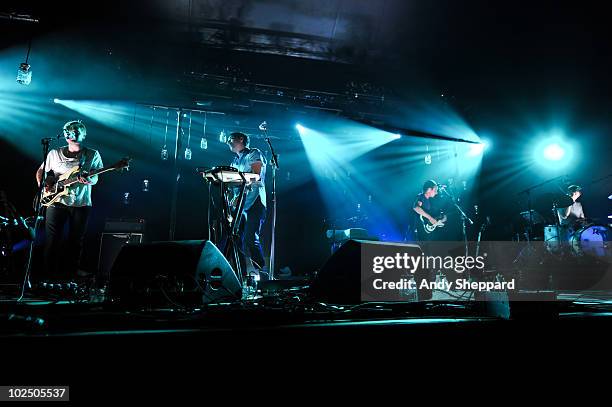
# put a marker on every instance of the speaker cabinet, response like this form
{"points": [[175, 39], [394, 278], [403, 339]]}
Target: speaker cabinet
{"points": [[187, 273], [340, 279], [110, 246]]}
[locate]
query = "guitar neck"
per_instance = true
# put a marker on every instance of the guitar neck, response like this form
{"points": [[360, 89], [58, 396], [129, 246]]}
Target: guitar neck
{"points": [[101, 171], [73, 179]]}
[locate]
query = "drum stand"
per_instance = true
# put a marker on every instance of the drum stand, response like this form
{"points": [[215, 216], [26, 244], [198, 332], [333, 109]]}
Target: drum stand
{"points": [[529, 251], [560, 239]]}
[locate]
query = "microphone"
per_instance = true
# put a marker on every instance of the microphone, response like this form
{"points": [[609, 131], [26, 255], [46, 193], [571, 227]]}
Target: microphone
{"points": [[263, 126], [70, 135]]}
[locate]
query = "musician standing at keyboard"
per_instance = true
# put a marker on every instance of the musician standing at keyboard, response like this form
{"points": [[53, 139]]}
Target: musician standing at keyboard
{"points": [[251, 160], [73, 208]]}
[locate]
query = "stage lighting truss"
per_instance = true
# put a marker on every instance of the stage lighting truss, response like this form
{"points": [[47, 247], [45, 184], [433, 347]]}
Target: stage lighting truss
{"points": [[362, 96]]}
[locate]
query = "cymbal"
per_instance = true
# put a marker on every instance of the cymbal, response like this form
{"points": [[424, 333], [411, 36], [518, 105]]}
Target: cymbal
{"points": [[536, 217], [547, 200]]}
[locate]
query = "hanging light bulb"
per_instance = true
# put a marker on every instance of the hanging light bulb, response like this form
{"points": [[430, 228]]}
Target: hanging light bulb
{"points": [[427, 156], [188, 148], [164, 150], [24, 74], [203, 141]]}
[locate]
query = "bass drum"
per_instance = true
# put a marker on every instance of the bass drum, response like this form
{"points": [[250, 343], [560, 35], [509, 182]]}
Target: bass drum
{"points": [[590, 240]]}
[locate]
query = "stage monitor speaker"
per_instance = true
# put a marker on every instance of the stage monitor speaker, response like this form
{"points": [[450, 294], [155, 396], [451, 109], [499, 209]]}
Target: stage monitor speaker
{"points": [[339, 280], [188, 273], [110, 246]]}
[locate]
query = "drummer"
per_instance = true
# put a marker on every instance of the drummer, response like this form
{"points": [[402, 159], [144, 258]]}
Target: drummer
{"points": [[574, 213]]}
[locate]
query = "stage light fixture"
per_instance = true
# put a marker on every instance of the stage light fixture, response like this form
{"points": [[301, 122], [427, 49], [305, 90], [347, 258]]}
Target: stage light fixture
{"points": [[299, 127], [478, 148], [56, 100], [554, 152]]}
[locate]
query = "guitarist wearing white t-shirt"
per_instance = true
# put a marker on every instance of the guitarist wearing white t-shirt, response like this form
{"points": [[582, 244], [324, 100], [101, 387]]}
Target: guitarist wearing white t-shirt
{"points": [[72, 208]]}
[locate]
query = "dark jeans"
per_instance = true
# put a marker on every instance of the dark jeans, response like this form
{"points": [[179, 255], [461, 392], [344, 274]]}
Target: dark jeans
{"points": [[251, 230], [62, 261]]}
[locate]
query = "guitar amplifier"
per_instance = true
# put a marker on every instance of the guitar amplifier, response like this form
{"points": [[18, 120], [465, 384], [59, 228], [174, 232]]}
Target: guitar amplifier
{"points": [[124, 225], [117, 233]]}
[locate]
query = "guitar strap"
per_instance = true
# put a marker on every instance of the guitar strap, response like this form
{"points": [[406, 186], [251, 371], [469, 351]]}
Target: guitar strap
{"points": [[82, 158]]}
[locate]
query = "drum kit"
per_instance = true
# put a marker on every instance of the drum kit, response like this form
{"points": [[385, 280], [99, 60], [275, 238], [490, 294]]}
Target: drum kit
{"points": [[15, 235], [581, 237]]}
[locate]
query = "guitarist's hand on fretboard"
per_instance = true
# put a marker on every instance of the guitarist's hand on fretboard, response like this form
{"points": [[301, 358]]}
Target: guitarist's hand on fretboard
{"points": [[84, 180]]}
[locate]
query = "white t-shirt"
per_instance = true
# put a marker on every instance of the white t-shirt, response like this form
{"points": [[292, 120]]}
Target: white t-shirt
{"points": [[576, 212], [243, 162], [80, 194]]}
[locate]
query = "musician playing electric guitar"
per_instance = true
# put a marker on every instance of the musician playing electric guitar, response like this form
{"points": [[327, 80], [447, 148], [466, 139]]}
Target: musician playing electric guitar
{"points": [[422, 206], [73, 207]]}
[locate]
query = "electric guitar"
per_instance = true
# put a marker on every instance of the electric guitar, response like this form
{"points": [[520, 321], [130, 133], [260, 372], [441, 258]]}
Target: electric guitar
{"points": [[58, 186], [428, 227]]}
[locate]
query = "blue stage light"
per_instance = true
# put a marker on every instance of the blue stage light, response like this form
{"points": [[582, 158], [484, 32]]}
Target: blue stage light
{"points": [[478, 148], [554, 152]]}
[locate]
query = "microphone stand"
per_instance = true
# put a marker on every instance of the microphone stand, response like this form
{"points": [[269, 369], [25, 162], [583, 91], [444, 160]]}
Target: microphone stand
{"points": [[177, 174], [38, 211], [464, 217], [274, 163]]}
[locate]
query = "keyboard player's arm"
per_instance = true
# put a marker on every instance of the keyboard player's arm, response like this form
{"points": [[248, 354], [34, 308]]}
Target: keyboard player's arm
{"points": [[255, 169]]}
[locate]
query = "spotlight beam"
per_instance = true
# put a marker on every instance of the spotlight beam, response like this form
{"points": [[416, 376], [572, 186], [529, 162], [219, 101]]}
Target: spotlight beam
{"points": [[414, 133]]}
